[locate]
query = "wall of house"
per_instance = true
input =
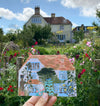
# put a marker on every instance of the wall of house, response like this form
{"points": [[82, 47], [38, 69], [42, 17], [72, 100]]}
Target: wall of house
{"points": [[67, 31]]}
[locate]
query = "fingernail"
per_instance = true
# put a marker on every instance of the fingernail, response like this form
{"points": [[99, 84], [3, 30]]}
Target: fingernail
{"points": [[45, 96]]}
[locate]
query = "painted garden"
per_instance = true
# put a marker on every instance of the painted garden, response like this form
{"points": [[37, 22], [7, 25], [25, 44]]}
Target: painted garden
{"points": [[83, 55]]}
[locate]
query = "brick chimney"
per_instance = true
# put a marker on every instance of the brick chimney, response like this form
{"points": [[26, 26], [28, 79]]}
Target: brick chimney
{"points": [[37, 10], [53, 15]]}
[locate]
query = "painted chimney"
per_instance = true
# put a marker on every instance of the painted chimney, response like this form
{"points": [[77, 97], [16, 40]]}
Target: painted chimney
{"points": [[37, 10], [53, 15]]}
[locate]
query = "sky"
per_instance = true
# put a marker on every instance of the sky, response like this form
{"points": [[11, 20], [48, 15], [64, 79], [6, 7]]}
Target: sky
{"points": [[15, 13]]}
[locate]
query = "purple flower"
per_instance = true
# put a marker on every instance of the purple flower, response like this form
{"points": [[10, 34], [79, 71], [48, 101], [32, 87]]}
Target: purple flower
{"points": [[77, 56]]}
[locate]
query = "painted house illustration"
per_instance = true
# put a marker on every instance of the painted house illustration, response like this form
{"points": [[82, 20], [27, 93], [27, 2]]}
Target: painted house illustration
{"points": [[53, 74]]}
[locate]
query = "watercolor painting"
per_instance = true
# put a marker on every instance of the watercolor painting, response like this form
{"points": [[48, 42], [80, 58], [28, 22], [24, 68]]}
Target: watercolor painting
{"points": [[53, 74]]}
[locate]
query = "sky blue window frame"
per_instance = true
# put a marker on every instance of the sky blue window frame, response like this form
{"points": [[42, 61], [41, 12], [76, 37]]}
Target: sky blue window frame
{"points": [[32, 66]]}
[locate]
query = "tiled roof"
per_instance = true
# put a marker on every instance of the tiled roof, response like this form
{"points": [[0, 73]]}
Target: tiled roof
{"points": [[57, 62], [57, 20]]}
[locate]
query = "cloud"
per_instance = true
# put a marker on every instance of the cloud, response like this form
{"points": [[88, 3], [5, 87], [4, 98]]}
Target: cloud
{"points": [[74, 24], [51, 0], [24, 16], [25, 1], [87, 7]]}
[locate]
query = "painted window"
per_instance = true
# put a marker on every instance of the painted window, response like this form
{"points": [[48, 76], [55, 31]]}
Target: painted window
{"points": [[63, 75], [33, 66]]}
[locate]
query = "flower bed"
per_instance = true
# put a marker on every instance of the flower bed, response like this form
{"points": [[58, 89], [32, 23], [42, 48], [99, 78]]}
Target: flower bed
{"points": [[81, 55]]}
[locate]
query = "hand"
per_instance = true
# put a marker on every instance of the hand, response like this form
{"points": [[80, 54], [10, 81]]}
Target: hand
{"points": [[41, 101]]}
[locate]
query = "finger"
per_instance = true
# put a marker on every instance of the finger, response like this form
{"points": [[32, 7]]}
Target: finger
{"points": [[52, 101], [32, 101], [43, 100]]}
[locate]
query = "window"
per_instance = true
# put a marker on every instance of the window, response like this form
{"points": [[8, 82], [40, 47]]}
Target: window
{"points": [[63, 75], [36, 20], [61, 37], [33, 66], [61, 27]]}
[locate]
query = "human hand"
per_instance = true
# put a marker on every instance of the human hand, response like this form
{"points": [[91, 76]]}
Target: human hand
{"points": [[44, 100]]}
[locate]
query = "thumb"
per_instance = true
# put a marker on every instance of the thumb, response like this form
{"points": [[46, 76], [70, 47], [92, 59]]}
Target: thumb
{"points": [[43, 100]]}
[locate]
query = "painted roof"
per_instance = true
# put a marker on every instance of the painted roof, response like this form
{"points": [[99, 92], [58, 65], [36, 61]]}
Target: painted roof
{"points": [[34, 81], [57, 62]]}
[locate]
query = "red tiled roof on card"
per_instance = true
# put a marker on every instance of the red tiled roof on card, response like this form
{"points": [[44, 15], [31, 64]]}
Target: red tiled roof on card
{"points": [[57, 62], [33, 81]]}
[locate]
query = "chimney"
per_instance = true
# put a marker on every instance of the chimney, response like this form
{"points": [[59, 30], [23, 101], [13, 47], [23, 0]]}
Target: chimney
{"points": [[37, 10], [53, 15]]}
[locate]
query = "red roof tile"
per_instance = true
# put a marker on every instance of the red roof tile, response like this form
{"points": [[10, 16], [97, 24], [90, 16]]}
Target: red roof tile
{"points": [[57, 20], [57, 62]]}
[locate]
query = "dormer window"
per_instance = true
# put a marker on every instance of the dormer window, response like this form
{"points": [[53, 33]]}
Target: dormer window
{"points": [[36, 20]]}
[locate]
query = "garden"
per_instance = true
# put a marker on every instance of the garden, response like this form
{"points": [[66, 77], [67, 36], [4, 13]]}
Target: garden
{"points": [[84, 55], [81, 55]]}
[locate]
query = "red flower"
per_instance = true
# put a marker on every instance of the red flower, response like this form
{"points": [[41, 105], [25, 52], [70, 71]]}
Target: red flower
{"points": [[32, 45], [95, 70], [15, 54], [83, 71], [58, 52], [86, 55], [11, 90], [1, 88], [36, 43], [10, 86], [81, 82], [79, 75], [8, 89]]}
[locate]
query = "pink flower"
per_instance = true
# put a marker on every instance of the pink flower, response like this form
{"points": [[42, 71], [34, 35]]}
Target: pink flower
{"points": [[36, 90], [81, 82], [36, 43], [32, 45], [88, 44], [74, 47]]}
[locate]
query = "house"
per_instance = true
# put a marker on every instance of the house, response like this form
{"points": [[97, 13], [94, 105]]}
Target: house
{"points": [[84, 28], [56, 23], [47, 73]]}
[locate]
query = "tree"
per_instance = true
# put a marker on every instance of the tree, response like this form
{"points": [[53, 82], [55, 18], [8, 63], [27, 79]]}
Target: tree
{"points": [[36, 32], [1, 38], [97, 24], [78, 35]]}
